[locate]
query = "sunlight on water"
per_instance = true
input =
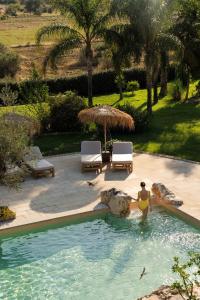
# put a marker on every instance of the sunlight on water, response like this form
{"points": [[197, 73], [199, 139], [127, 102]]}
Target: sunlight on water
{"points": [[99, 259]]}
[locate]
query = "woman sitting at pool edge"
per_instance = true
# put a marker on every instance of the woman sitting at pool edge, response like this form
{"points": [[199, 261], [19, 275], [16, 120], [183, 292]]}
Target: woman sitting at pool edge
{"points": [[144, 200]]}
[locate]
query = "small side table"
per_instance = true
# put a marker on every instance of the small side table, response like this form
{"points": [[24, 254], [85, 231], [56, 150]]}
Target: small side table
{"points": [[106, 157]]}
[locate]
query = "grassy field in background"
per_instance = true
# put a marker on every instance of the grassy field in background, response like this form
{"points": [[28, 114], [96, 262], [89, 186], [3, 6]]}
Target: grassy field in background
{"points": [[174, 128], [19, 33], [21, 30]]}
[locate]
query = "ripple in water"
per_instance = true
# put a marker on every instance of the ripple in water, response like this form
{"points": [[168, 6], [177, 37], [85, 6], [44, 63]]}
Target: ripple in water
{"points": [[99, 259]]}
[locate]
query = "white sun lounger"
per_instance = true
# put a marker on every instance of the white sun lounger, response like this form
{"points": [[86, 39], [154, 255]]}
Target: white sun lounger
{"points": [[122, 156], [37, 164], [91, 158]]}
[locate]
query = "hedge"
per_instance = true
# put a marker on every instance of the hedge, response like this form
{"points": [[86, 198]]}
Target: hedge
{"points": [[103, 83]]}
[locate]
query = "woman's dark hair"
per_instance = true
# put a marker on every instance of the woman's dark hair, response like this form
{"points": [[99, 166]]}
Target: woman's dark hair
{"points": [[142, 184]]}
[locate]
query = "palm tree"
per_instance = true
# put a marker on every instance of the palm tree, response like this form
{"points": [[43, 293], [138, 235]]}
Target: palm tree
{"points": [[145, 18], [165, 43], [119, 40], [85, 22], [148, 21], [187, 28]]}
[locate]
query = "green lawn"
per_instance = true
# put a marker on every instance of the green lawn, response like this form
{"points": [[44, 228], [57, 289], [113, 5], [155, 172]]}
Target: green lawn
{"points": [[174, 129]]}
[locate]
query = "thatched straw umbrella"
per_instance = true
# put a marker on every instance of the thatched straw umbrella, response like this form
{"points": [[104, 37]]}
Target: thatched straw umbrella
{"points": [[107, 116], [31, 125]]}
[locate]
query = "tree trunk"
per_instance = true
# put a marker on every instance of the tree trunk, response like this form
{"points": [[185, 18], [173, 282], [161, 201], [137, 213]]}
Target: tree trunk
{"points": [[119, 80], [89, 55], [187, 85], [163, 83], [164, 74], [155, 82], [149, 90], [155, 93]]}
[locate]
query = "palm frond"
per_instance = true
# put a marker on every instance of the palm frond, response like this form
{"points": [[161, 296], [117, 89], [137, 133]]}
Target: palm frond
{"points": [[88, 15], [55, 30], [111, 36], [59, 50], [169, 42], [78, 10], [99, 26]]}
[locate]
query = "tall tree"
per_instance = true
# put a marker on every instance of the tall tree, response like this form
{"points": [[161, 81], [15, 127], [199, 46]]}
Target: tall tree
{"points": [[187, 28], [85, 22], [148, 21], [119, 40]]}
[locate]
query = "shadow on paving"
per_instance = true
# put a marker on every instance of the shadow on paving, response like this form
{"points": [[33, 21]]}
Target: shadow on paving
{"points": [[66, 196], [116, 175]]}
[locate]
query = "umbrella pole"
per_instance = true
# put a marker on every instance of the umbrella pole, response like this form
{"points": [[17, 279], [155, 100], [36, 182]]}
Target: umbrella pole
{"points": [[105, 130]]}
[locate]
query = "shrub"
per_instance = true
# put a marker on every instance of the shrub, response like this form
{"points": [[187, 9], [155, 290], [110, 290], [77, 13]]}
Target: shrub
{"points": [[6, 214], [9, 62], [120, 80], [103, 83], [188, 276], [13, 140], [132, 86], [34, 90], [8, 96], [64, 112], [140, 117], [12, 9], [3, 17]]}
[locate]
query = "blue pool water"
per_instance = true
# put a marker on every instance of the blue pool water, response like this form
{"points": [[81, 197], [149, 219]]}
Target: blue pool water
{"points": [[97, 259]]}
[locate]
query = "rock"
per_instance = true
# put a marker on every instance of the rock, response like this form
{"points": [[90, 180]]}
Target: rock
{"points": [[162, 194], [117, 201], [167, 293]]}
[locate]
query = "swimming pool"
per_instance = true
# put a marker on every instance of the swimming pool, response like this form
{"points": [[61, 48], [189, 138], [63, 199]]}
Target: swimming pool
{"points": [[97, 259]]}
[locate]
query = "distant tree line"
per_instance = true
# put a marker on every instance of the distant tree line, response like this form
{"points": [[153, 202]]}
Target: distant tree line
{"points": [[29, 6]]}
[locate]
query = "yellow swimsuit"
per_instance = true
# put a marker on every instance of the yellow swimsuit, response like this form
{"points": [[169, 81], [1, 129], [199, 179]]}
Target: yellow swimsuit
{"points": [[143, 204]]}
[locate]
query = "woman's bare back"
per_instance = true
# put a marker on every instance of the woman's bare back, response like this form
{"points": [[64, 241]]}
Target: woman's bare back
{"points": [[144, 194]]}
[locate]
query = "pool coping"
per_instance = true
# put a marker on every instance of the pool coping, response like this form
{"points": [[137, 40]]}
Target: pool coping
{"points": [[93, 209], [95, 213], [54, 221]]}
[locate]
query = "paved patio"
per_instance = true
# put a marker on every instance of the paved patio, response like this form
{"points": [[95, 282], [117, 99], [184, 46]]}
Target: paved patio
{"points": [[68, 192]]}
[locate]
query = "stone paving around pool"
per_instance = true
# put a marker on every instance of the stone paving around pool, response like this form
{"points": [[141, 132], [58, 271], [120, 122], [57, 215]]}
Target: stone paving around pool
{"points": [[68, 193]]}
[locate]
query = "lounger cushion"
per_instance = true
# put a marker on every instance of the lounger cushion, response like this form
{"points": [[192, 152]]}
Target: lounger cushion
{"points": [[122, 158], [122, 148], [90, 147], [32, 153], [90, 158], [40, 165]]}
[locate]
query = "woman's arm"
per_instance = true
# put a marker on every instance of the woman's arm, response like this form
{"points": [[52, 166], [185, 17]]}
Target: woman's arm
{"points": [[138, 197]]}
